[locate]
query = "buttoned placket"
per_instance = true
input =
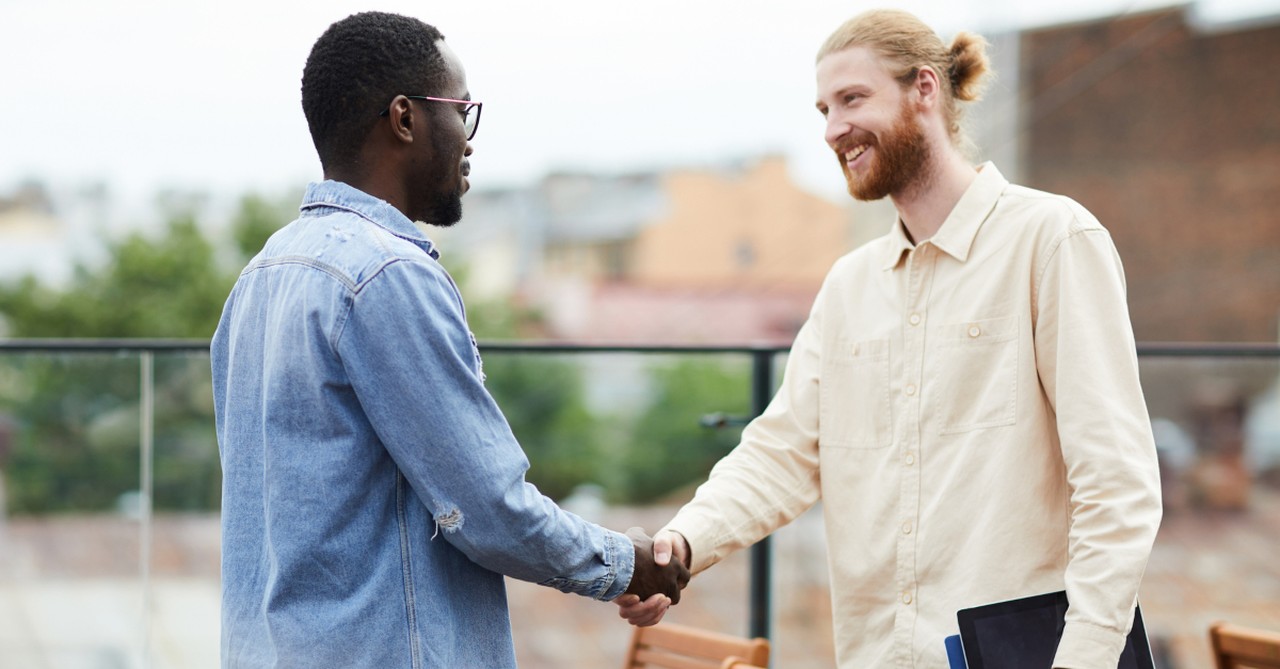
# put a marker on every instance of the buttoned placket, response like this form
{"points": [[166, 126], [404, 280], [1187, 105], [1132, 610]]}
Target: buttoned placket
{"points": [[919, 277]]}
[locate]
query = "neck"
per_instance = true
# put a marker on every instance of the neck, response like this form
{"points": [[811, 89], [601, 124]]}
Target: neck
{"points": [[925, 205], [371, 182]]}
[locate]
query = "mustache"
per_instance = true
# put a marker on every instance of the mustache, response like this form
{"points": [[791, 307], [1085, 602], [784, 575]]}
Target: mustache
{"points": [[848, 143], [466, 168]]}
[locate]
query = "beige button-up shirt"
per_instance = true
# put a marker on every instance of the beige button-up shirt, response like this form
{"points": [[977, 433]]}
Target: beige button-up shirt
{"points": [[969, 411]]}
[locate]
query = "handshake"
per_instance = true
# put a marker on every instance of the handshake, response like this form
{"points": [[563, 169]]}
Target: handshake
{"points": [[657, 580]]}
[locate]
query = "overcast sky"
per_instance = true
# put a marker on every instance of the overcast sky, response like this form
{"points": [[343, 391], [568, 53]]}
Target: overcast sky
{"points": [[205, 95]]}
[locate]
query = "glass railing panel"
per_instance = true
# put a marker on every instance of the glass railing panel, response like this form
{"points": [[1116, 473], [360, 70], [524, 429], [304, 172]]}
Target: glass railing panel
{"points": [[71, 593], [1217, 557], [620, 437], [186, 478]]}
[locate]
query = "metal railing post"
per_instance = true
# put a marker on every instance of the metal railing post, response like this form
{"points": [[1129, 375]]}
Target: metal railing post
{"points": [[146, 449], [761, 610]]}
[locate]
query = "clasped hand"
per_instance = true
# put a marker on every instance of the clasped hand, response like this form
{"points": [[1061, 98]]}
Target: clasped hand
{"points": [[657, 580]]}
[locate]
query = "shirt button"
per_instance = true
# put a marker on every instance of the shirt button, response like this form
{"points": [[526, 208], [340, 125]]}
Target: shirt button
{"points": [[911, 458], [974, 331], [911, 389], [914, 319], [906, 598], [906, 527]]}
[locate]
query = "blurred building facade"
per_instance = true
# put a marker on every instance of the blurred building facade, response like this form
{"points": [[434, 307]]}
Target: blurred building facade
{"points": [[31, 235], [724, 254], [1162, 126]]}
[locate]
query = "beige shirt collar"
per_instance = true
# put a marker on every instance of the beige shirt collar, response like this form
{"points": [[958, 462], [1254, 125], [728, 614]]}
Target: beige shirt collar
{"points": [[957, 233]]}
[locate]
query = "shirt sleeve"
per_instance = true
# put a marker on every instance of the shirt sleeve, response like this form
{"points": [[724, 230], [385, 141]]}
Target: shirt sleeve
{"points": [[1089, 369], [413, 365], [772, 475]]}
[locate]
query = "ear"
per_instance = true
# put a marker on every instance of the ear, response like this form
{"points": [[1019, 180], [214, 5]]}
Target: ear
{"points": [[927, 87], [401, 121]]}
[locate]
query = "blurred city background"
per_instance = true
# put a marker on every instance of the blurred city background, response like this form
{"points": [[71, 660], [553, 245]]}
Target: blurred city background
{"points": [[642, 178]]}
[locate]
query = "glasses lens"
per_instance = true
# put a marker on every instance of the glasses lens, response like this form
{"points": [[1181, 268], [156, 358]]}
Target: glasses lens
{"points": [[472, 120]]}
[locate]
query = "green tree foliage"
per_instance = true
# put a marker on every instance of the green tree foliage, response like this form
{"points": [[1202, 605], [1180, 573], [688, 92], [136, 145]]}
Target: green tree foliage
{"points": [[543, 398], [77, 446], [257, 219], [165, 287], [669, 448], [543, 401], [78, 416], [59, 402], [79, 439]]}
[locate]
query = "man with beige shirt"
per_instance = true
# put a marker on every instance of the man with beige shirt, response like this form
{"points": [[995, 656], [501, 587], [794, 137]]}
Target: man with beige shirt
{"points": [[964, 397]]}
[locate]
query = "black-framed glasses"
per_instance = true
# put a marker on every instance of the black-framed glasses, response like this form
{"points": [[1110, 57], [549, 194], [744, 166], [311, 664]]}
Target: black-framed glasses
{"points": [[470, 121]]}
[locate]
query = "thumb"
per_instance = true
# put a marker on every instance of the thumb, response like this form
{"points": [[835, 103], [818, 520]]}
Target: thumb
{"points": [[662, 549]]}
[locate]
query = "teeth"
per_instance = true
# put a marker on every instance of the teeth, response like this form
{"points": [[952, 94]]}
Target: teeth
{"points": [[853, 154]]}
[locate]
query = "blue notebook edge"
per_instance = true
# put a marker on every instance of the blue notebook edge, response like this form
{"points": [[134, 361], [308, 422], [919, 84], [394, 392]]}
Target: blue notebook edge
{"points": [[955, 652]]}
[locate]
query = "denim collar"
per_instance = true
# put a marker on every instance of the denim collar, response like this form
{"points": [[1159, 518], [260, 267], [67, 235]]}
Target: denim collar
{"points": [[337, 195]]}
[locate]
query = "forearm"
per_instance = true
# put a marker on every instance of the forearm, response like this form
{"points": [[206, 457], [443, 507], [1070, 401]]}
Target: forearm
{"points": [[759, 487], [1110, 545], [527, 536], [772, 476], [1115, 513]]}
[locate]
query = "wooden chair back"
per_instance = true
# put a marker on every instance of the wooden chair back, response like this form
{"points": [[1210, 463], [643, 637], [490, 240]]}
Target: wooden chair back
{"points": [[1236, 647], [672, 646]]}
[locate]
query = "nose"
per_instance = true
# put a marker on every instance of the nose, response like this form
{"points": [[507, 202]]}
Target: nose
{"points": [[837, 128], [467, 151]]}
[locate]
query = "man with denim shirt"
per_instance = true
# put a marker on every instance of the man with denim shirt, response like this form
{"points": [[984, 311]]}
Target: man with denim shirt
{"points": [[373, 493], [964, 398]]}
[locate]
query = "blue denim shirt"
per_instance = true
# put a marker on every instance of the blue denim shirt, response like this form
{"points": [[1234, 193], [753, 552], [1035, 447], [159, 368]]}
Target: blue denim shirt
{"points": [[373, 493]]}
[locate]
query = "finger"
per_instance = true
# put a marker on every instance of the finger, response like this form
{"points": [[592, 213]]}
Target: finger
{"points": [[627, 600], [637, 607], [662, 548], [639, 611], [680, 546], [650, 621], [659, 613], [650, 616]]}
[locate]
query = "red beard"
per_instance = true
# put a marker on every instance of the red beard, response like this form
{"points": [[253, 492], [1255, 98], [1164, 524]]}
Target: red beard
{"points": [[899, 160]]}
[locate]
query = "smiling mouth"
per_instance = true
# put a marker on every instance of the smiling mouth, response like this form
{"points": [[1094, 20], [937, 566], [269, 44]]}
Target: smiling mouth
{"points": [[853, 154]]}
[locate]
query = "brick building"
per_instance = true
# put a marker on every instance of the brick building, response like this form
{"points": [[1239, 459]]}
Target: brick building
{"points": [[1168, 130]]}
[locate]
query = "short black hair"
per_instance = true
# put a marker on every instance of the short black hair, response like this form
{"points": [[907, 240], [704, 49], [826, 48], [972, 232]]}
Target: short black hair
{"points": [[356, 67]]}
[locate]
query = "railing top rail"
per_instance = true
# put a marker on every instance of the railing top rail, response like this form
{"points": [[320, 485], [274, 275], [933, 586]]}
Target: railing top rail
{"points": [[53, 345], [38, 345], [1145, 349], [1208, 349]]}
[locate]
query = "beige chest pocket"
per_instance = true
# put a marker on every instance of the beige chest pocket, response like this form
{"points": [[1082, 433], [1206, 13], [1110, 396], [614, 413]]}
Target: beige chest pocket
{"points": [[977, 363], [853, 400]]}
